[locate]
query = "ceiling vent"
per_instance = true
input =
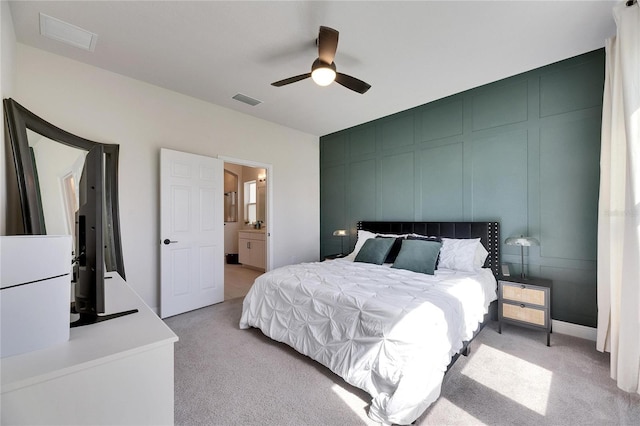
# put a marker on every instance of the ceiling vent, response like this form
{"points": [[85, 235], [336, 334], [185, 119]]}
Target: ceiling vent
{"points": [[66, 33], [246, 99]]}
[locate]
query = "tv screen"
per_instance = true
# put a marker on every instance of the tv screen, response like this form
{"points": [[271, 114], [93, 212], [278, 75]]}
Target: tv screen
{"points": [[90, 280]]}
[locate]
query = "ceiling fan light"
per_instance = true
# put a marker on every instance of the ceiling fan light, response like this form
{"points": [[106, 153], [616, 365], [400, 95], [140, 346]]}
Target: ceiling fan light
{"points": [[323, 76]]}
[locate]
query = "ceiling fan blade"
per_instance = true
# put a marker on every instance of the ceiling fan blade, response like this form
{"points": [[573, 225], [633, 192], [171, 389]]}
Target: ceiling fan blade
{"points": [[327, 44], [291, 80], [352, 83]]}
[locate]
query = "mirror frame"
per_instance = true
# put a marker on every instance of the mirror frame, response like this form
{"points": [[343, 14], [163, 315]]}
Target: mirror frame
{"points": [[17, 120]]}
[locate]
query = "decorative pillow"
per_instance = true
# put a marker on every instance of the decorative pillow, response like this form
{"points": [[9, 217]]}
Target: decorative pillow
{"points": [[418, 255], [395, 248], [375, 250], [425, 238], [362, 237], [459, 254]]}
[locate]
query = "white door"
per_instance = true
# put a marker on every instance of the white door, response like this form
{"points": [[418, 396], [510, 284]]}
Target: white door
{"points": [[191, 232]]}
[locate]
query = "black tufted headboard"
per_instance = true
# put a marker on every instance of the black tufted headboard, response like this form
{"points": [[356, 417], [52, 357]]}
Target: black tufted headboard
{"points": [[488, 232]]}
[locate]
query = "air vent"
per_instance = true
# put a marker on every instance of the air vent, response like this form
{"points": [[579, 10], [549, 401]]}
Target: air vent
{"points": [[246, 99], [56, 29]]}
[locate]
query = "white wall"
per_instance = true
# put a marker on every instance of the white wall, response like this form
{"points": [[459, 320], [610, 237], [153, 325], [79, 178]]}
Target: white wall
{"points": [[7, 72], [107, 107]]}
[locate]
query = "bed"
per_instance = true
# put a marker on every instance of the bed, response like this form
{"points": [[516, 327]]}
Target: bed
{"points": [[392, 326]]}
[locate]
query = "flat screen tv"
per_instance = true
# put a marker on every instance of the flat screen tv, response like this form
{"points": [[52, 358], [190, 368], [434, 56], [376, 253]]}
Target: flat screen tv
{"points": [[89, 294]]}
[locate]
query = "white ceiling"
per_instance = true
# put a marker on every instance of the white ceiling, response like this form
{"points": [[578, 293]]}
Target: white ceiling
{"points": [[410, 52]]}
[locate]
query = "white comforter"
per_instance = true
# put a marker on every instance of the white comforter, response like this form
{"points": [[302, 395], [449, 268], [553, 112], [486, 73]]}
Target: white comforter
{"points": [[390, 332]]}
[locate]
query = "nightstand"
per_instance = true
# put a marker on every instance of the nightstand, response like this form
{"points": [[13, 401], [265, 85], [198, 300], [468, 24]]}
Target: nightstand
{"points": [[525, 302]]}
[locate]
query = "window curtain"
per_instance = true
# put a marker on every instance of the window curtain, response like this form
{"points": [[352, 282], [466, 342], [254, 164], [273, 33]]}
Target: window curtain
{"points": [[619, 204]]}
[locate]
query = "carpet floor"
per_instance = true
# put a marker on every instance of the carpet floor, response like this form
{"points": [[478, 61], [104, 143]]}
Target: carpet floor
{"points": [[228, 376]]}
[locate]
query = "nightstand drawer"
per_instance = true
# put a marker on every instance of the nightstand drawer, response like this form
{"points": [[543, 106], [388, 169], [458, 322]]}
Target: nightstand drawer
{"points": [[524, 314], [523, 293]]}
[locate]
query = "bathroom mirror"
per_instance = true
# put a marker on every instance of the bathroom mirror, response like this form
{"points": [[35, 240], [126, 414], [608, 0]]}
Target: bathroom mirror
{"points": [[230, 196], [48, 163]]}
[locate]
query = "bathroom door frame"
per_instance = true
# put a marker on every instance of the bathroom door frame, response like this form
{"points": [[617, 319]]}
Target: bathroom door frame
{"points": [[269, 201]]}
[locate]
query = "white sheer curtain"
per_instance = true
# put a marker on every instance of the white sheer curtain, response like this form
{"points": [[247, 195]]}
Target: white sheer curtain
{"points": [[619, 205]]}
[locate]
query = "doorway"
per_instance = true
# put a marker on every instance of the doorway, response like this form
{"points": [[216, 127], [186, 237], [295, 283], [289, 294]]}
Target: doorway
{"points": [[247, 226]]}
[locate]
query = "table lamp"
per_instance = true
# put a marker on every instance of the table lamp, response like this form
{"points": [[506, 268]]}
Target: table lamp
{"points": [[341, 233], [523, 242]]}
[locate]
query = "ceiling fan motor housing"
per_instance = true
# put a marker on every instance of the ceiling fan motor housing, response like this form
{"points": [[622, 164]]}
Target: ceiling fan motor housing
{"points": [[321, 64]]}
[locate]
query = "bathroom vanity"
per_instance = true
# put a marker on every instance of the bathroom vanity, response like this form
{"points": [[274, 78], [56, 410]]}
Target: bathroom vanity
{"points": [[251, 248]]}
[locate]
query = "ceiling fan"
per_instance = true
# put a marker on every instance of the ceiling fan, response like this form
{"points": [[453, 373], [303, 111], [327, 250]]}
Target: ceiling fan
{"points": [[323, 69]]}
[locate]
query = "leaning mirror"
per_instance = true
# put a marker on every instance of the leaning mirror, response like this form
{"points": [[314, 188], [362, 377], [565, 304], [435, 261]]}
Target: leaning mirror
{"points": [[48, 162]]}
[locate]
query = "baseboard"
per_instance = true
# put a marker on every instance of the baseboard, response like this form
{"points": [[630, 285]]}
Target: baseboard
{"points": [[575, 330]]}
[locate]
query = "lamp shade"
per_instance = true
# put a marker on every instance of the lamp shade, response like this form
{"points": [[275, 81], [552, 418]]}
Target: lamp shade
{"points": [[340, 233], [323, 76], [323, 73], [522, 241]]}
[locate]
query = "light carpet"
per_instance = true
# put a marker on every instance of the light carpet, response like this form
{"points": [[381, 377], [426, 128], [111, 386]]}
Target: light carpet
{"points": [[228, 376]]}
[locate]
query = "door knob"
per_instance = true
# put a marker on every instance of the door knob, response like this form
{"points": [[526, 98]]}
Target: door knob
{"points": [[168, 241]]}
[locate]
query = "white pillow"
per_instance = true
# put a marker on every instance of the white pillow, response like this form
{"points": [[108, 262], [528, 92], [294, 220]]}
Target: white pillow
{"points": [[422, 236], [459, 254], [481, 256]]}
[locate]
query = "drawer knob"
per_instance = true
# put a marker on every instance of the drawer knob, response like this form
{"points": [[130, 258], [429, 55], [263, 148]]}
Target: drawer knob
{"points": [[523, 286], [522, 305]]}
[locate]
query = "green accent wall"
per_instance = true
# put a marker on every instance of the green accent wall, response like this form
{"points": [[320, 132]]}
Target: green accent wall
{"points": [[523, 151]]}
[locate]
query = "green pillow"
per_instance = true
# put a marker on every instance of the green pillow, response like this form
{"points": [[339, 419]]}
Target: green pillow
{"points": [[418, 256], [375, 250]]}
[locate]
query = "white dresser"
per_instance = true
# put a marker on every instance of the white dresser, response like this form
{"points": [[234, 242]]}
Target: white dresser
{"points": [[114, 372]]}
